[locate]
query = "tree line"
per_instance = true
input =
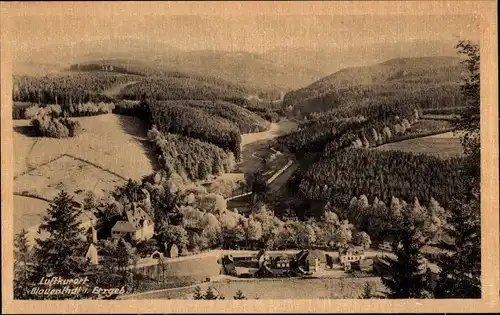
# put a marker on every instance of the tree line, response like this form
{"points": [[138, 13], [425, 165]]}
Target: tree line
{"points": [[426, 95], [177, 88], [47, 122], [67, 89], [382, 174], [152, 70], [378, 218]]}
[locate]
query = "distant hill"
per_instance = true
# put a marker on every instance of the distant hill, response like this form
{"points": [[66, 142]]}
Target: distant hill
{"points": [[162, 83], [244, 68], [281, 69], [330, 60], [60, 57], [432, 82]]}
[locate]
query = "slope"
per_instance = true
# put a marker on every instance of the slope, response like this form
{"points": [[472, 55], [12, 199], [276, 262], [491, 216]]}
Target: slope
{"points": [[432, 82]]}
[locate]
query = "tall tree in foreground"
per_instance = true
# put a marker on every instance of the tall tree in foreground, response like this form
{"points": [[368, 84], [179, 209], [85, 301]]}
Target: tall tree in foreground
{"points": [[407, 278], [469, 122], [60, 253], [460, 263], [22, 265]]}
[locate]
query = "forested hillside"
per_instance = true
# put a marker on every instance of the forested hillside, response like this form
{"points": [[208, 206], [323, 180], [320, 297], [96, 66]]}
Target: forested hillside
{"points": [[245, 120], [178, 118], [431, 82], [67, 89], [189, 158], [179, 88], [386, 174], [369, 123]]}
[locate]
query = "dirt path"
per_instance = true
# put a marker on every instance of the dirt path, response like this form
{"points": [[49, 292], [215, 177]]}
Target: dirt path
{"points": [[115, 90], [276, 130], [27, 159]]}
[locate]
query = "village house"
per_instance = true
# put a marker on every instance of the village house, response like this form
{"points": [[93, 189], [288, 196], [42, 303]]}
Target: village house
{"points": [[90, 254], [281, 262], [136, 224], [352, 254]]}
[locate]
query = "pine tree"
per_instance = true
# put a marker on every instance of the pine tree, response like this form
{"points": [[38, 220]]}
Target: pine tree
{"points": [[406, 279], [22, 265], [368, 290], [239, 296], [460, 275], [469, 121], [212, 295], [460, 264], [60, 253], [124, 257]]}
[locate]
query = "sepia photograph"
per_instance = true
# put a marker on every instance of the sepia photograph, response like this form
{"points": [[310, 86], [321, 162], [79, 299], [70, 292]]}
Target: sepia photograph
{"points": [[245, 156]]}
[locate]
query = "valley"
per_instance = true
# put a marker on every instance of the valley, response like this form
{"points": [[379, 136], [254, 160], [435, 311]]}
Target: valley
{"points": [[174, 159]]}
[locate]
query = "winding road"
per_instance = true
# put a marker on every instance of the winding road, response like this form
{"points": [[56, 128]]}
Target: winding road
{"points": [[115, 90]]}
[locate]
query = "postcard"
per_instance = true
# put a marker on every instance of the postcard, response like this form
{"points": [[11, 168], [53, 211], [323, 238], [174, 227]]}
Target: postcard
{"points": [[267, 156]]}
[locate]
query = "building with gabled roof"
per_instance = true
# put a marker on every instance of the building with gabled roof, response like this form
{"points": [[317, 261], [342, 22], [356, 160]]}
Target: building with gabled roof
{"points": [[352, 254], [136, 224]]}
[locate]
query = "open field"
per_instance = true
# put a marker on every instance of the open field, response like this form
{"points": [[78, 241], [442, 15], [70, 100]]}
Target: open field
{"points": [[430, 125], [443, 145], [349, 288], [114, 142], [69, 174], [111, 149], [28, 212]]}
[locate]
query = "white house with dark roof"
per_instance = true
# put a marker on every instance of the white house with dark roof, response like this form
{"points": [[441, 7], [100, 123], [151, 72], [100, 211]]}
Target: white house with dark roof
{"points": [[352, 254], [137, 224]]}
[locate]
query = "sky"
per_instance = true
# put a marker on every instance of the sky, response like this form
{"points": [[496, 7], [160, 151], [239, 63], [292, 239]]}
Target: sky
{"points": [[237, 32]]}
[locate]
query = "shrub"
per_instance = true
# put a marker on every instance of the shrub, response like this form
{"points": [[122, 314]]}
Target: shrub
{"points": [[55, 127]]}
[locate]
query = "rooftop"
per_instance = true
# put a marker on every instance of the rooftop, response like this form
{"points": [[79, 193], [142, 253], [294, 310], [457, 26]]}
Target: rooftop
{"points": [[124, 226]]}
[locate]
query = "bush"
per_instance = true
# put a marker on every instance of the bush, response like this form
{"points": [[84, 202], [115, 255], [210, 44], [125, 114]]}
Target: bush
{"points": [[55, 127], [55, 110]]}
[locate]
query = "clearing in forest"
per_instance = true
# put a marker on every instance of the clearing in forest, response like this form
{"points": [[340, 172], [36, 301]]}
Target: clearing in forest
{"points": [[443, 145]]}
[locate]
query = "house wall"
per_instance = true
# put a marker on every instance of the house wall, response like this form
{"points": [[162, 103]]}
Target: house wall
{"points": [[148, 231], [351, 258], [117, 235], [92, 255], [145, 233]]}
